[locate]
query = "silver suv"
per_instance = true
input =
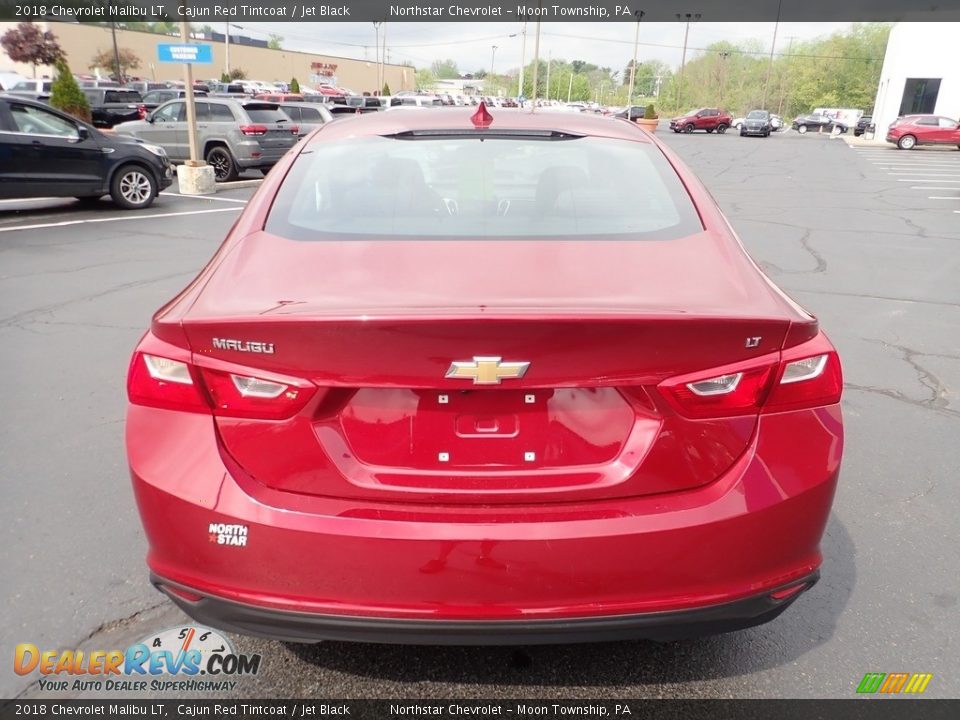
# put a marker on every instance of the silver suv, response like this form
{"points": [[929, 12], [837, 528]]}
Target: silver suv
{"points": [[232, 134]]}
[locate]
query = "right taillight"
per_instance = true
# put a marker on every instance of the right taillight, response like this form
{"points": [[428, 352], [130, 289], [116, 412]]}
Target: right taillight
{"points": [[804, 376], [809, 376], [253, 130]]}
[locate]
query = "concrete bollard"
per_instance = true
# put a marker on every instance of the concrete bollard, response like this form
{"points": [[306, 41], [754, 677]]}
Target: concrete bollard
{"points": [[196, 179]]}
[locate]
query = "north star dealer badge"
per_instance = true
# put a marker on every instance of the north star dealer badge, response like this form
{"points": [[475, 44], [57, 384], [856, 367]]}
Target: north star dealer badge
{"points": [[223, 534]]}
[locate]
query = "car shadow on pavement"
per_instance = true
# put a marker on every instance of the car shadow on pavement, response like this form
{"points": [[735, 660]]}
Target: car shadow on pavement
{"points": [[810, 622]]}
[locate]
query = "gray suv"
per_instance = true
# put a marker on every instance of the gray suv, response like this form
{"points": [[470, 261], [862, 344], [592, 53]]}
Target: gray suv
{"points": [[232, 134]]}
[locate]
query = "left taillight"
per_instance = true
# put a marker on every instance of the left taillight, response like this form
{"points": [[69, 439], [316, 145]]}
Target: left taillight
{"points": [[142, 111], [173, 383]]}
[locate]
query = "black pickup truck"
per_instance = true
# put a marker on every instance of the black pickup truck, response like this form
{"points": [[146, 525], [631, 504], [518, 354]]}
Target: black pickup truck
{"points": [[112, 106]]}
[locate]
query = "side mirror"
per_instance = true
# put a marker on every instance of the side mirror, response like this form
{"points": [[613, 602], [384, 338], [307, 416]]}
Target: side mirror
{"points": [[149, 118], [82, 133]]}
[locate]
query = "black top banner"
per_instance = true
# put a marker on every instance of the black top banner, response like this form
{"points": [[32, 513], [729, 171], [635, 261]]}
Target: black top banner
{"points": [[208, 11]]}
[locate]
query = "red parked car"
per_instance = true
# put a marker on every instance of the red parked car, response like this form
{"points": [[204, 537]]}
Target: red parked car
{"points": [[538, 394], [708, 119], [911, 130]]}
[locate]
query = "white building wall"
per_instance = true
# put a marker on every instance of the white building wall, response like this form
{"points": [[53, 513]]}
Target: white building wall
{"points": [[919, 50]]}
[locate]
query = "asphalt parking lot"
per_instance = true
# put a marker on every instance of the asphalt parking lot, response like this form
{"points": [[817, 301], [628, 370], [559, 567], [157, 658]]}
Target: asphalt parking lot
{"points": [[835, 226]]}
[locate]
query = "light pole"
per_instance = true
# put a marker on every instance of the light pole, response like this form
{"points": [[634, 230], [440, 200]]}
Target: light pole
{"points": [[493, 56], [570, 86], [523, 59], [773, 45], [689, 17], [376, 29], [633, 68]]}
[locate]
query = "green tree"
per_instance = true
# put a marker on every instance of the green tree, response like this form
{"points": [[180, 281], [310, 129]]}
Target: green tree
{"points": [[238, 74], [27, 43], [66, 95], [224, 78], [294, 86], [386, 90], [426, 80], [445, 69], [274, 43]]}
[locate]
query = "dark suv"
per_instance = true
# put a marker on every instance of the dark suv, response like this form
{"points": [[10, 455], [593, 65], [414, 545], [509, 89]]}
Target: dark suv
{"points": [[112, 106], [47, 153]]}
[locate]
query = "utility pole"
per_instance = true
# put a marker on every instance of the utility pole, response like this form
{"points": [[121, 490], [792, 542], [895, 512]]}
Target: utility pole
{"points": [[633, 68], [689, 17], [570, 86], [549, 63], [376, 30], [773, 46], [722, 80], [536, 61], [523, 59], [783, 90], [493, 56], [116, 52], [226, 40]]}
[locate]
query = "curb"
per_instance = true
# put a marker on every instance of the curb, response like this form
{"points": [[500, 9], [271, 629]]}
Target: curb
{"points": [[237, 184]]}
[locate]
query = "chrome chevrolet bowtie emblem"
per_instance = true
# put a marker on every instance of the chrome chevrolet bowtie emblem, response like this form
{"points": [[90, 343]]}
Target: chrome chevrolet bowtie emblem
{"points": [[487, 370]]}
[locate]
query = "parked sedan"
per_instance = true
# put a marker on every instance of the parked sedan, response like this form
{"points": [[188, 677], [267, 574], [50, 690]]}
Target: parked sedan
{"points": [[814, 121], [356, 425], [47, 153], [112, 106], [232, 135], [757, 122], [911, 130]]}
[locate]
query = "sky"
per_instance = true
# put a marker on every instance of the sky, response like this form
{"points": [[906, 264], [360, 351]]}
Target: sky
{"points": [[470, 44]]}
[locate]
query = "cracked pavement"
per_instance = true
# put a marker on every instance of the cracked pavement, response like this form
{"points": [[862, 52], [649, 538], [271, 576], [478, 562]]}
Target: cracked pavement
{"points": [[877, 264]]}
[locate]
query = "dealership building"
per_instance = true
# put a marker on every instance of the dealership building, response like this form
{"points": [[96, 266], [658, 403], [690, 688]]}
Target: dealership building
{"points": [[920, 73], [82, 41]]}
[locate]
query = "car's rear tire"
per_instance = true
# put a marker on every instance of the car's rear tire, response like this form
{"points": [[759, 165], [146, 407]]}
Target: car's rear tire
{"points": [[742, 133], [709, 130], [133, 187], [907, 142], [721, 128], [801, 129], [688, 128], [224, 166]]}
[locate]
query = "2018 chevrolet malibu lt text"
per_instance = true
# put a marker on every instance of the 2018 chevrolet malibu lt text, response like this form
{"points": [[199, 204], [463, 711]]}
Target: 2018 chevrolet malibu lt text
{"points": [[495, 380]]}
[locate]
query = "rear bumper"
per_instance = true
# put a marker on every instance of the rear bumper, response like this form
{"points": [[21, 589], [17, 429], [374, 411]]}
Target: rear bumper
{"points": [[306, 627], [312, 567]]}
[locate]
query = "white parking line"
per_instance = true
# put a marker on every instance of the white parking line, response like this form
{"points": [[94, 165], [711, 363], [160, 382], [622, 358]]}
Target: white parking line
{"points": [[64, 223], [929, 174], [942, 197], [931, 187], [205, 197], [930, 180], [23, 200]]}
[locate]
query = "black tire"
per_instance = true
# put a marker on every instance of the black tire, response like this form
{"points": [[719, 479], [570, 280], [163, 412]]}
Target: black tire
{"points": [[722, 128], [742, 133], [907, 142], [133, 187], [688, 128], [802, 129], [224, 166], [709, 130]]}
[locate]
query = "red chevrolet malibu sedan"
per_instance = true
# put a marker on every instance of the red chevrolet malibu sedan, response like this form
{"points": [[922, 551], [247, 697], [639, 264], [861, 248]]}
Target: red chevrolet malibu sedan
{"points": [[469, 380]]}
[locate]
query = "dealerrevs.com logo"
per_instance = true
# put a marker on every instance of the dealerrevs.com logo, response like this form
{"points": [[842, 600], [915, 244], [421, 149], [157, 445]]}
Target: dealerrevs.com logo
{"points": [[181, 659]]}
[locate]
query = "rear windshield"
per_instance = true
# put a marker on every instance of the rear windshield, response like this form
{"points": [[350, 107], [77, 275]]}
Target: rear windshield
{"points": [[486, 187], [265, 114], [121, 96]]}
